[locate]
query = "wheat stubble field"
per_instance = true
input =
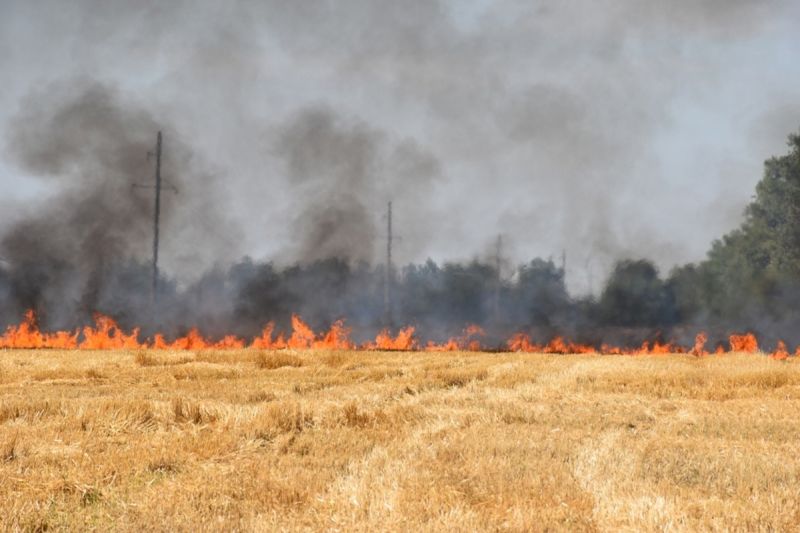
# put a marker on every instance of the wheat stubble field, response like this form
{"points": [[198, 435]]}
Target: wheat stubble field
{"points": [[248, 440]]}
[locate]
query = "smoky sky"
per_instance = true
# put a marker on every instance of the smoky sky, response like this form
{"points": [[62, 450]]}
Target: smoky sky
{"points": [[604, 129]]}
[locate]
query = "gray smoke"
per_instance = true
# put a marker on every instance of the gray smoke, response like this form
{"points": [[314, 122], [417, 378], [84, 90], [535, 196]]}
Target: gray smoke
{"points": [[77, 252], [342, 174], [612, 129]]}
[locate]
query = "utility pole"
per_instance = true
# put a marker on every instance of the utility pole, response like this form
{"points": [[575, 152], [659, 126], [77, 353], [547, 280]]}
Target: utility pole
{"points": [[589, 276], [156, 212], [387, 280], [498, 257], [563, 262], [156, 216]]}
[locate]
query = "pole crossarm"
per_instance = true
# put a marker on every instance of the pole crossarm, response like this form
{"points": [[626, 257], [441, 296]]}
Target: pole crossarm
{"points": [[158, 187]]}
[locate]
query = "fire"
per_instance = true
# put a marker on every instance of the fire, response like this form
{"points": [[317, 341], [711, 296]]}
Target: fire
{"points": [[466, 341], [665, 348], [384, 340], [191, 341], [610, 350], [231, 342], [265, 341], [106, 334], [27, 335], [780, 351], [521, 342], [700, 344], [337, 338], [302, 335], [744, 343]]}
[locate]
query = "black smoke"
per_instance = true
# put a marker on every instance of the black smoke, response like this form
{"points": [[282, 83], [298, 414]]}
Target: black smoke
{"points": [[84, 249]]}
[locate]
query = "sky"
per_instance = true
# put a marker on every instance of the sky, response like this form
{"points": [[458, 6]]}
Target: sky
{"points": [[603, 129]]}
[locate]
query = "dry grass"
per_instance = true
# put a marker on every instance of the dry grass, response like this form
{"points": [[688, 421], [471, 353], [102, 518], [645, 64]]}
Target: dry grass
{"points": [[273, 360], [158, 358], [247, 440]]}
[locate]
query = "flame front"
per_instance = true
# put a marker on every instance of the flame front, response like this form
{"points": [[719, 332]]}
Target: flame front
{"points": [[106, 334], [27, 335], [403, 341], [466, 341]]}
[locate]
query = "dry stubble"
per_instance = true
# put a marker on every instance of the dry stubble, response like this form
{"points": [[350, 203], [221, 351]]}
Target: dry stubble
{"points": [[243, 440]]}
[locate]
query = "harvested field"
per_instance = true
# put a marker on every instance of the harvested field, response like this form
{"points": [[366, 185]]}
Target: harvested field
{"points": [[337, 440]]}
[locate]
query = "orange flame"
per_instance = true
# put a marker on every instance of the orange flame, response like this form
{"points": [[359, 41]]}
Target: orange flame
{"points": [[521, 342], [610, 350], [191, 341], [780, 352], [302, 334], [106, 335], [744, 343], [700, 344], [231, 342], [337, 338], [265, 341], [384, 340], [466, 341], [27, 335]]}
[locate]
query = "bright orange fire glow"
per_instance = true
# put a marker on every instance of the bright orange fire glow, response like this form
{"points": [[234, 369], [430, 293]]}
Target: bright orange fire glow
{"points": [[106, 334], [780, 351], [265, 340], [466, 341], [27, 335], [700, 344], [384, 340], [337, 338], [521, 342], [744, 343]]}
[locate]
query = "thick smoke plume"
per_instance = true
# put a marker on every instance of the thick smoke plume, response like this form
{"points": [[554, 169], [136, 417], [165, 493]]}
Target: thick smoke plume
{"points": [[561, 120], [85, 248], [341, 174]]}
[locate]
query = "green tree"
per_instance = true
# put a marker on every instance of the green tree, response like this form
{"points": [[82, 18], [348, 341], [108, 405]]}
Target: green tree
{"points": [[635, 296], [541, 294], [749, 271]]}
